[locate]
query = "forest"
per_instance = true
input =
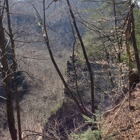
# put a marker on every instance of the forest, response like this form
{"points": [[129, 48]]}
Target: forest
{"points": [[69, 69]]}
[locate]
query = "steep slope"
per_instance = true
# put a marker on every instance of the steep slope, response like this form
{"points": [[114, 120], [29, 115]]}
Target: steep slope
{"points": [[122, 122]]}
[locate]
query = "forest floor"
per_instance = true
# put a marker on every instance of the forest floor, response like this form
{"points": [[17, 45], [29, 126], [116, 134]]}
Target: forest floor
{"points": [[123, 122]]}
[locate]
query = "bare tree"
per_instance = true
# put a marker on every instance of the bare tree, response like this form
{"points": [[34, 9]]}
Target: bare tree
{"points": [[6, 80], [14, 65]]}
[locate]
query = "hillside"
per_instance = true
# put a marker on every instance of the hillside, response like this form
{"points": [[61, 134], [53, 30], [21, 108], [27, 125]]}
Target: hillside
{"points": [[117, 123], [67, 68], [122, 122]]}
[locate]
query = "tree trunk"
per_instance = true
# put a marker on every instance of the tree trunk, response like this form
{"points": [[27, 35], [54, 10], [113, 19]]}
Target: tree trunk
{"points": [[14, 67], [6, 80], [86, 58], [133, 37]]}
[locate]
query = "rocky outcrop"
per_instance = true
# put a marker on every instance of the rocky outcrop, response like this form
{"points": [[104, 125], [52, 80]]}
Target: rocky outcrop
{"points": [[109, 81]]}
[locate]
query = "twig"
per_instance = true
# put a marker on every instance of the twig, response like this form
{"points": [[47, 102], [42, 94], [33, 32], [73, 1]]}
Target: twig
{"points": [[2, 97]]}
